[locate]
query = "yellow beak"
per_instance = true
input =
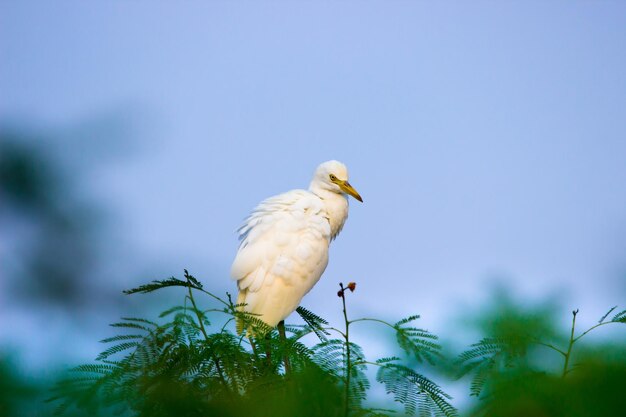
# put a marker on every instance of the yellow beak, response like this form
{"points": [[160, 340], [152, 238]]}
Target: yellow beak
{"points": [[348, 189]]}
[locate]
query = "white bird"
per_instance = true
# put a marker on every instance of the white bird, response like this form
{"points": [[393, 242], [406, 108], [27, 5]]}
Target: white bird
{"points": [[284, 243]]}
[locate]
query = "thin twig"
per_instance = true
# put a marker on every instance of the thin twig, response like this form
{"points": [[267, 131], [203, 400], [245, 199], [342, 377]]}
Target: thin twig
{"points": [[571, 344], [591, 328], [346, 335], [374, 320], [548, 345]]}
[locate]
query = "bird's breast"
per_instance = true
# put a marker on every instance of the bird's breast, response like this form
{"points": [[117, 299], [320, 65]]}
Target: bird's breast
{"points": [[336, 213]]}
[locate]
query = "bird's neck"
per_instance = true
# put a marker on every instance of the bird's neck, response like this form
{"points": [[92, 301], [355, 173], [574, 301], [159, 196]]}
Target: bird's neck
{"points": [[336, 206]]}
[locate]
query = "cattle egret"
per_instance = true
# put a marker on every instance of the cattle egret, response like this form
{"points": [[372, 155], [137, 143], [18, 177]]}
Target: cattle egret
{"points": [[284, 243]]}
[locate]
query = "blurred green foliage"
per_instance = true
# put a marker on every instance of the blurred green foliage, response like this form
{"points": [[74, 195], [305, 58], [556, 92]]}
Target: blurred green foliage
{"points": [[525, 366], [597, 389], [17, 393], [51, 242], [190, 363]]}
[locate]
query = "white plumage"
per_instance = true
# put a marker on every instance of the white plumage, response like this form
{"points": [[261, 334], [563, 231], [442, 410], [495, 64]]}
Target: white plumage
{"points": [[284, 243]]}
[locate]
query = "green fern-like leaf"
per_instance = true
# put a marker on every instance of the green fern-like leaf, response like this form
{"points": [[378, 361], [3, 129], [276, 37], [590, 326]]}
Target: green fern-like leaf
{"points": [[121, 337], [415, 391], [408, 320], [607, 314], [359, 382], [487, 358], [116, 349], [482, 372], [157, 285], [96, 368], [619, 317], [389, 359], [140, 320], [171, 310], [315, 322], [194, 282], [251, 325], [133, 326], [329, 355], [416, 342], [486, 347]]}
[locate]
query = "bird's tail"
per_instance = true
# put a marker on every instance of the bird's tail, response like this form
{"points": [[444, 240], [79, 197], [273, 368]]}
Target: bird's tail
{"points": [[248, 321]]}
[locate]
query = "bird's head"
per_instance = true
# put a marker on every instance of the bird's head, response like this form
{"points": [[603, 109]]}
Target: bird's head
{"points": [[333, 176]]}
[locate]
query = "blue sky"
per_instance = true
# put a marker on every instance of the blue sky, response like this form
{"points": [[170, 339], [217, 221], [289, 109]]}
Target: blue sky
{"points": [[488, 139]]}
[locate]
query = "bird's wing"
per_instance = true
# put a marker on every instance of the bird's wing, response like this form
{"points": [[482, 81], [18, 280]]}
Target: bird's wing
{"points": [[286, 237]]}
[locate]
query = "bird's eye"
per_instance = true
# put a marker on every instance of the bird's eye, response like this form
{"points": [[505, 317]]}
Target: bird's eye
{"points": [[332, 177]]}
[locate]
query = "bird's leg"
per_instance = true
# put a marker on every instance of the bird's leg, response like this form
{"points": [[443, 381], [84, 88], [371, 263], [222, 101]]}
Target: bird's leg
{"points": [[256, 354], [283, 340]]}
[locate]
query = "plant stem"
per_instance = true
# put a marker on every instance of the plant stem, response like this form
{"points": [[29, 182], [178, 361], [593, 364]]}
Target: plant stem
{"points": [[570, 345], [192, 285], [206, 336], [348, 363], [548, 345], [301, 335], [374, 320], [195, 309], [336, 330], [591, 328]]}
